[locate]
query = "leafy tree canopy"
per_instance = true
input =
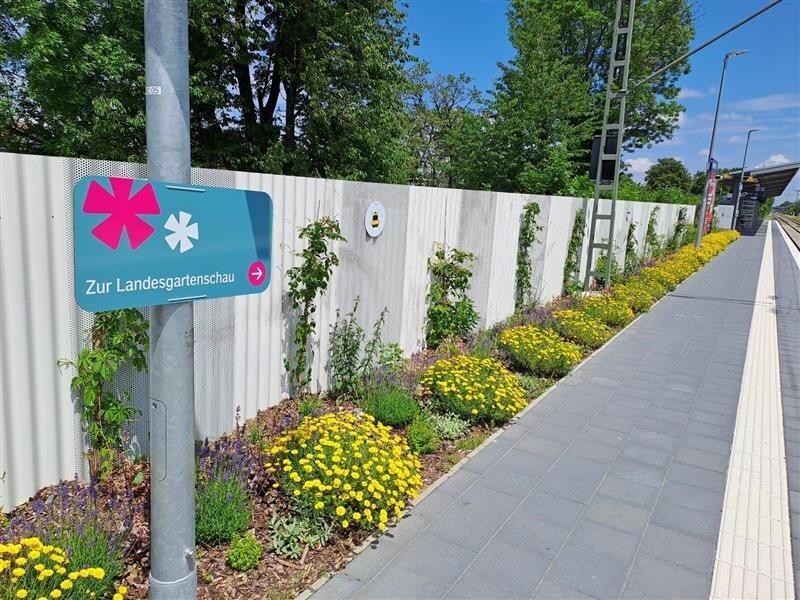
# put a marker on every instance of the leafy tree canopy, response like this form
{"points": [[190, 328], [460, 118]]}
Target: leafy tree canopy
{"points": [[668, 173], [311, 87]]}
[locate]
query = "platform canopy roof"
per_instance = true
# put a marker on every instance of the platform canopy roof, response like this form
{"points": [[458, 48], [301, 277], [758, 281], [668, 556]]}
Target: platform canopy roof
{"points": [[773, 179]]}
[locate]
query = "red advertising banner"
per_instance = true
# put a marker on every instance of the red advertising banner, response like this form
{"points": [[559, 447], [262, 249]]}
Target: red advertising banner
{"points": [[711, 194]]}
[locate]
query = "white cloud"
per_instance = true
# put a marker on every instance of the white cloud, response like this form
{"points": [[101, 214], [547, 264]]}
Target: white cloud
{"points": [[688, 93], [771, 102], [735, 139], [703, 152], [775, 159], [637, 167]]}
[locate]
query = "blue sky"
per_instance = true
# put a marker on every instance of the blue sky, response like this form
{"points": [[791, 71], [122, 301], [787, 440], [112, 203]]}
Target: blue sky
{"points": [[762, 90]]}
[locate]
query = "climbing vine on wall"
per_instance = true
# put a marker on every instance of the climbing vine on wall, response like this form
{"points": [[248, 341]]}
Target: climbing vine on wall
{"points": [[118, 337], [527, 235], [572, 264], [653, 246], [306, 281], [450, 310], [676, 239], [631, 258]]}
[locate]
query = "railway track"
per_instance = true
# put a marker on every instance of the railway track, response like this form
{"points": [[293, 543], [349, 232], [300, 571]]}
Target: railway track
{"points": [[791, 226]]}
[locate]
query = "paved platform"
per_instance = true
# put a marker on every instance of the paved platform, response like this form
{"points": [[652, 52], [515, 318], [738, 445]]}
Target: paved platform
{"points": [[614, 483]]}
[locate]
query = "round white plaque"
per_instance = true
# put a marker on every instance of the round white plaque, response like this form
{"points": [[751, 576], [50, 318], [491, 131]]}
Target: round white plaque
{"points": [[374, 219]]}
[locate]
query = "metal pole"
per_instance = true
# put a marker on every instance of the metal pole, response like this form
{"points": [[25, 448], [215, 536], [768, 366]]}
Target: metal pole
{"points": [[741, 180], [710, 163], [173, 573]]}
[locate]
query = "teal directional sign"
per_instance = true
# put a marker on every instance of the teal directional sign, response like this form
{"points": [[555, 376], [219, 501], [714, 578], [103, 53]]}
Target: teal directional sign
{"points": [[140, 243]]}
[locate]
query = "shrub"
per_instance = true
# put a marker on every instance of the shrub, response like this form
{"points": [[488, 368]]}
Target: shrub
{"points": [[291, 535], [450, 310], [392, 406], [608, 310], [661, 275], [534, 386], [478, 389], [540, 351], [29, 568], [449, 426], [347, 469], [244, 553], [422, 436], [650, 287], [637, 298], [309, 406], [223, 508], [581, 328], [350, 365]]}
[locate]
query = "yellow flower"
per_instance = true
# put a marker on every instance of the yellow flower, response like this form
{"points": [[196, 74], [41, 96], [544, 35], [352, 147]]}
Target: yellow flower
{"points": [[66, 584], [55, 594], [22, 593]]}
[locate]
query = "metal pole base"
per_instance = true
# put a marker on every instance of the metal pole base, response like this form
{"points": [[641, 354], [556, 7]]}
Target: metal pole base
{"points": [[183, 589]]}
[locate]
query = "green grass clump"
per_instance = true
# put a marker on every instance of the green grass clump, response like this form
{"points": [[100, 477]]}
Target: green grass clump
{"points": [[422, 437], [223, 509], [244, 553], [392, 406]]}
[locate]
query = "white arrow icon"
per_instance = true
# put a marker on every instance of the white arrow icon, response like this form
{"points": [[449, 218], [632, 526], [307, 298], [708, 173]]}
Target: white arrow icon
{"points": [[257, 273]]}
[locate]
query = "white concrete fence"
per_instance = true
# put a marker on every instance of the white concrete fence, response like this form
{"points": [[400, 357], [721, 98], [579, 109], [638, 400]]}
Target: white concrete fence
{"points": [[240, 343]]}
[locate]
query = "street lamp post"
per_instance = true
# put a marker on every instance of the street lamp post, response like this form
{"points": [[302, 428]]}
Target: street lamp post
{"points": [[710, 164], [741, 179]]}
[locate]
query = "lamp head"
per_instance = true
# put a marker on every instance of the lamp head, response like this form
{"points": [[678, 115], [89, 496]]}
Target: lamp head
{"points": [[735, 53]]}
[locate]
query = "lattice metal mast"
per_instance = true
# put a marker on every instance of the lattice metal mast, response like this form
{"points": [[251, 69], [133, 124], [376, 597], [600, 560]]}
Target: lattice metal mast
{"points": [[616, 92]]}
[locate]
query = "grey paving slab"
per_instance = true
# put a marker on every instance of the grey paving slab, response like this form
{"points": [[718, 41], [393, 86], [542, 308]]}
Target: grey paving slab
{"points": [[612, 486]]}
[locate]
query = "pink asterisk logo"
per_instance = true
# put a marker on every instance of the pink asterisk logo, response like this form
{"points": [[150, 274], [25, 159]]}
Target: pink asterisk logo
{"points": [[123, 211]]}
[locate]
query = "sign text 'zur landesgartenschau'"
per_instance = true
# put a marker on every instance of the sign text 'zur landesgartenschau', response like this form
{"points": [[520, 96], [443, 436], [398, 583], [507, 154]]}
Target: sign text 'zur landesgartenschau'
{"points": [[141, 243]]}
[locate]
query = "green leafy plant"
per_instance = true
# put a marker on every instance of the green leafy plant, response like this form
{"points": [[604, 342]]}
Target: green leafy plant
{"points": [[676, 239], [468, 444], [3, 517], [118, 338], [450, 310], [309, 406], [449, 426], [534, 386], [350, 365], [244, 553], [653, 246], [527, 235], [422, 436], [306, 282], [631, 258], [290, 535], [602, 265], [223, 507], [391, 405], [572, 265]]}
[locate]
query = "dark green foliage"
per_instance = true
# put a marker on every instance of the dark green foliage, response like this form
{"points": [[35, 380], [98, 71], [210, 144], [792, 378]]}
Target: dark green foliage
{"points": [[602, 265], [572, 265], [422, 437], [653, 245], [668, 173], [309, 405], [118, 337], [303, 88], [449, 426], [223, 508], [244, 553], [632, 260], [392, 406], [527, 235], [450, 310], [676, 239], [306, 281]]}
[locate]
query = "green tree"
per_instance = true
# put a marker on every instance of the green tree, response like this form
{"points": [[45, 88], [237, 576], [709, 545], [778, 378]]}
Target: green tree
{"points": [[442, 109], [698, 183], [306, 87], [668, 173]]}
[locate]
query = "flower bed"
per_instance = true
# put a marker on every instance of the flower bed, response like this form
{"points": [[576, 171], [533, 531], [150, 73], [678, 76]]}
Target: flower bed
{"points": [[581, 328], [288, 496], [478, 389], [540, 351]]}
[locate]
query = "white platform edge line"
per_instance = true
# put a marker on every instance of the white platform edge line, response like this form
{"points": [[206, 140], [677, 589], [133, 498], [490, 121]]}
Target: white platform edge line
{"points": [[754, 555], [792, 248]]}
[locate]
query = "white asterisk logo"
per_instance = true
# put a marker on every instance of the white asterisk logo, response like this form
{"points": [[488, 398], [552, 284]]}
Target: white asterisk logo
{"points": [[182, 231]]}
